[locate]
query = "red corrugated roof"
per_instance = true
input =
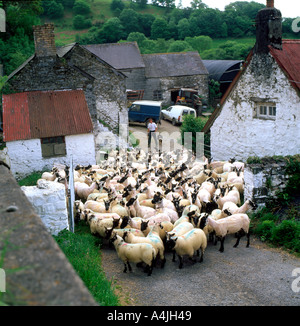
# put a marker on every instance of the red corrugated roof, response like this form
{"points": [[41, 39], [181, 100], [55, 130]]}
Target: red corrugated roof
{"points": [[42, 114], [289, 60]]}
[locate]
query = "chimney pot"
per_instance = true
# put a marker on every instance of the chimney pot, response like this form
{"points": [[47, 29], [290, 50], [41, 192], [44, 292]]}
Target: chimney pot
{"points": [[270, 3]]}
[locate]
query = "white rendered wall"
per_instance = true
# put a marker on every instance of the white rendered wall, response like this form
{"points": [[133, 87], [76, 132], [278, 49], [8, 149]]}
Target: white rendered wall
{"points": [[49, 201], [236, 133], [26, 155]]}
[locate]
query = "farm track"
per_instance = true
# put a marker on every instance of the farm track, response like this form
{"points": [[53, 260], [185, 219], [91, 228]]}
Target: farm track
{"points": [[254, 276]]}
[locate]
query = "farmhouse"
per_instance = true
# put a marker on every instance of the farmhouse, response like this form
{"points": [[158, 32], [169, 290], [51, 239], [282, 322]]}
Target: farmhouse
{"points": [[45, 128], [260, 112], [71, 68], [157, 76]]}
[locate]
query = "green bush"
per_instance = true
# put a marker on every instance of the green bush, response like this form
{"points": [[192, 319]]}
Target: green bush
{"points": [[81, 8], [287, 234], [264, 230]]}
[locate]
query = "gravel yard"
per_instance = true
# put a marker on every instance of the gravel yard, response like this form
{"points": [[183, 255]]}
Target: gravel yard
{"points": [[254, 276]]}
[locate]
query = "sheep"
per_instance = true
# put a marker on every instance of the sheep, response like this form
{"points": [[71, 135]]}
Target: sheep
{"points": [[109, 232], [232, 196], [164, 227], [50, 176], [235, 224], [231, 208], [188, 243], [153, 238], [134, 252], [82, 190], [99, 226], [141, 211]]}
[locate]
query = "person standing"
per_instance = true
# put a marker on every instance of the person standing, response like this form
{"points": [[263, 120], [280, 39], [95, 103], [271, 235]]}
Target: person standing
{"points": [[152, 129]]}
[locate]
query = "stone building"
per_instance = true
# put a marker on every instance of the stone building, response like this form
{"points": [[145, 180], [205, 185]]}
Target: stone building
{"points": [[158, 76], [259, 114], [71, 68]]}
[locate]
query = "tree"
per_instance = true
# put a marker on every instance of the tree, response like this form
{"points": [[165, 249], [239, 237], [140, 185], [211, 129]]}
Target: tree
{"points": [[183, 28], [81, 8], [117, 4], [180, 46], [198, 4], [159, 29], [80, 22], [129, 18], [200, 43], [145, 22], [52, 9], [112, 31], [137, 37]]}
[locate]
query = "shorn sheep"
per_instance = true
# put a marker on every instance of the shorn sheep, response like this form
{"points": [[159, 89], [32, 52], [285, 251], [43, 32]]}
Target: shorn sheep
{"points": [[134, 253], [235, 224], [188, 243], [172, 192]]}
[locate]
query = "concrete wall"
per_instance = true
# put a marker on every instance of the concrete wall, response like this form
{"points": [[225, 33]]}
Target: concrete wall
{"points": [[48, 199], [238, 133], [26, 155]]}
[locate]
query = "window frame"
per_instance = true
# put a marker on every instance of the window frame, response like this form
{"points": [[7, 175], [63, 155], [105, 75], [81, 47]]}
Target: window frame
{"points": [[265, 110], [52, 143]]}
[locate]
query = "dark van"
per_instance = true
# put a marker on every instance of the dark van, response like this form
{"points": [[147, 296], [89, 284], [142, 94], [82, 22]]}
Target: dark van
{"points": [[143, 110]]}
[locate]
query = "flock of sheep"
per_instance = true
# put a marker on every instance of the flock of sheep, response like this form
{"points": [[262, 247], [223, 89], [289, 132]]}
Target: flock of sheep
{"points": [[146, 204]]}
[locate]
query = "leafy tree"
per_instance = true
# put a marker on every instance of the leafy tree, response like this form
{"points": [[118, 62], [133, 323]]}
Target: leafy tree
{"points": [[200, 43], [180, 46], [145, 22], [137, 37], [80, 22], [183, 29], [198, 4], [129, 18], [52, 9], [117, 4], [159, 29], [112, 31], [81, 7]]}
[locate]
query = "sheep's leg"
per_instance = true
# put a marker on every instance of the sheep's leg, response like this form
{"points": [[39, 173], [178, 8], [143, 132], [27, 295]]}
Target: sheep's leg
{"points": [[173, 259], [201, 257], [129, 267], [180, 261], [125, 268], [248, 239], [222, 244], [239, 234]]}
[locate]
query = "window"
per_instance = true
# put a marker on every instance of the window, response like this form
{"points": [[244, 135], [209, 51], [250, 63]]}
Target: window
{"points": [[135, 108], [266, 111], [157, 95], [53, 146]]}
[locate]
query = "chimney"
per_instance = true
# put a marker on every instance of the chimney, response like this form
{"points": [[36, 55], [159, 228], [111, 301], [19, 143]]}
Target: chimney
{"points": [[44, 40], [268, 29]]}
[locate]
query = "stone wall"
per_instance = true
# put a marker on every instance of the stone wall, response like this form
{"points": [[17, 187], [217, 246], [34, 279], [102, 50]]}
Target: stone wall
{"points": [[48, 199], [264, 180]]}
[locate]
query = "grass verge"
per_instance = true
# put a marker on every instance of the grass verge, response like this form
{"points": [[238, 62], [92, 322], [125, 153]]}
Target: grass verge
{"points": [[82, 249]]}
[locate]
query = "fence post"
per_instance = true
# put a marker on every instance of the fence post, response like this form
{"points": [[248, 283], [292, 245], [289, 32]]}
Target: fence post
{"points": [[71, 195]]}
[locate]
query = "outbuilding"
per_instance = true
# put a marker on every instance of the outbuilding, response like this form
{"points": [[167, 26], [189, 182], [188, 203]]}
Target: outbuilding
{"points": [[46, 128]]}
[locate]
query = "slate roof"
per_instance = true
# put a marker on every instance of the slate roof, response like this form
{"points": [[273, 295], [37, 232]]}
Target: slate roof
{"points": [[119, 55], [173, 64]]}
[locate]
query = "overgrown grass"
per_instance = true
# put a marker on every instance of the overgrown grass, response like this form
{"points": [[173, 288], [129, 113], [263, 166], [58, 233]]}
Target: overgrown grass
{"points": [[31, 179], [82, 249]]}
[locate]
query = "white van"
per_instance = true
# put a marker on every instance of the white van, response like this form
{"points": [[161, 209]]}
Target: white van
{"points": [[175, 113]]}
